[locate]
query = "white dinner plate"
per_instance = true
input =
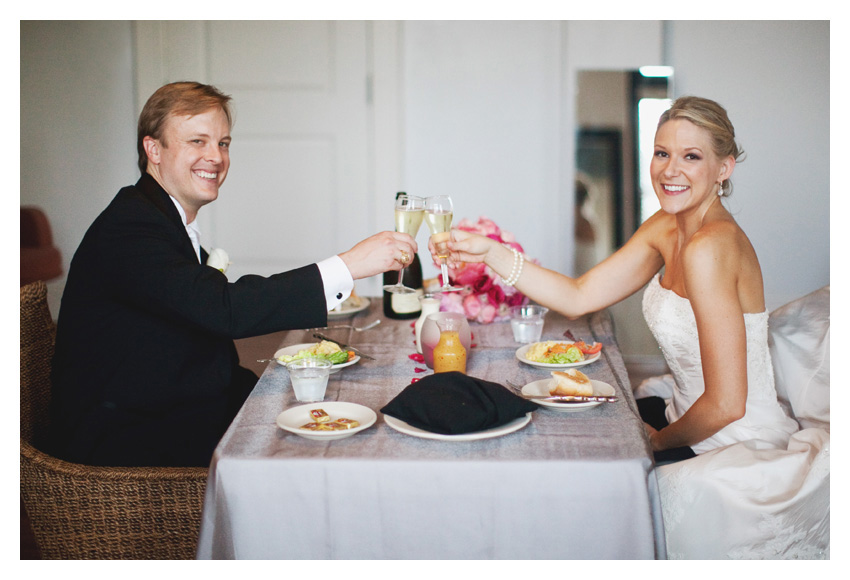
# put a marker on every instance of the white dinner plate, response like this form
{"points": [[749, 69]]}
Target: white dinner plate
{"points": [[292, 419], [520, 354], [407, 429], [349, 311], [293, 350], [541, 388]]}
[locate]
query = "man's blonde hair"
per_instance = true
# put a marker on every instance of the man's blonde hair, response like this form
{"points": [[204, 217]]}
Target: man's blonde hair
{"points": [[176, 99]]}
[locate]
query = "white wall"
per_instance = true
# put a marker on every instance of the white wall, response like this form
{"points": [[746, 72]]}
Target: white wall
{"points": [[487, 111], [773, 79], [481, 123], [78, 125]]}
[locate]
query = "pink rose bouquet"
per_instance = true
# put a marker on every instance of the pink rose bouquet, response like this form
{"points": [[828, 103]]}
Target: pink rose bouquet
{"points": [[484, 297]]}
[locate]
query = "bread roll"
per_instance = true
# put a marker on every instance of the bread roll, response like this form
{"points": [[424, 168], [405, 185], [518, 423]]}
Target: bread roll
{"points": [[571, 382]]}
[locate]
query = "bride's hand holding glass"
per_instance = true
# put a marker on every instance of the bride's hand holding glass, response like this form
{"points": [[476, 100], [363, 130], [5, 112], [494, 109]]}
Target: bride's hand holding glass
{"points": [[465, 247], [438, 214]]}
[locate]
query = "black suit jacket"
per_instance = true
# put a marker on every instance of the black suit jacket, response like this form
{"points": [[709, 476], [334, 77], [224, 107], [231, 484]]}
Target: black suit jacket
{"points": [[145, 370]]}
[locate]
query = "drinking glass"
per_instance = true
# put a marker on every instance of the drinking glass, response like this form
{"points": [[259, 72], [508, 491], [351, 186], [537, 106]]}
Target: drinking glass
{"points": [[438, 214], [527, 323], [409, 211], [309, 378]]}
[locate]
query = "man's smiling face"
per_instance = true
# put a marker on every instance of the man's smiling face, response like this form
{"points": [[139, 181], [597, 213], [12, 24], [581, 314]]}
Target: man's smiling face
{"points": [[192, 158]]}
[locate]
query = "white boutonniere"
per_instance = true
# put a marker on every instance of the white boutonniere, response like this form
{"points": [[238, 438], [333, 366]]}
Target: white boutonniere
{"points": [[219, 260]]}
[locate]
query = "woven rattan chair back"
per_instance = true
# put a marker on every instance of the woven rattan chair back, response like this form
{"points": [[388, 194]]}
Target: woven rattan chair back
{"points": [[84, 512]]}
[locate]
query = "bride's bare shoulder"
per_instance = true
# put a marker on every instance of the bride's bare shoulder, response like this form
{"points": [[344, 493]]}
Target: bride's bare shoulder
{"points": [[721, 253], [658, 225]]}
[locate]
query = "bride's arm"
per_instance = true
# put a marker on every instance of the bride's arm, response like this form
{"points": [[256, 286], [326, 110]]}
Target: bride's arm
{"points": [[619, 276], [710, 266]]}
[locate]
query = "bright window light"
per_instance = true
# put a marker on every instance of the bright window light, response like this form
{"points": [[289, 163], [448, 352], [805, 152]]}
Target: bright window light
{"points": [[649, 110], [656, 71]]}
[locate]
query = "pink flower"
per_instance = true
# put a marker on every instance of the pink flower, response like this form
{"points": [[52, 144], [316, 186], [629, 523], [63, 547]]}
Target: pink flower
{"points": [[488, 227], [496, 295], [487, 314], [516, 299], [451, 302], [471, 306], [482, 284], [484, 297], [469, 273]]}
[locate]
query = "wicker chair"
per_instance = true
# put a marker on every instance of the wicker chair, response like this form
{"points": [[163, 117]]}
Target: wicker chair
{"points": [[84, 512]]}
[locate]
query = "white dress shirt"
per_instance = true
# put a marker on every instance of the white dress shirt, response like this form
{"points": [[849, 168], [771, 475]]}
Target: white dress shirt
{"points": [[336, 278]]}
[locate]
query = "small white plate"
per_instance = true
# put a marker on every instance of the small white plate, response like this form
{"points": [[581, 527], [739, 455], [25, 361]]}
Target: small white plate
{"points": [[293, 350], [345, 312], [541, 388], [520, 354], [292, 419], [407, 429]]}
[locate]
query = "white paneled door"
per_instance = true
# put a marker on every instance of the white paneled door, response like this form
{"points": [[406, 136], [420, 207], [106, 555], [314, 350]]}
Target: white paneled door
{"points": [[301, 184]]}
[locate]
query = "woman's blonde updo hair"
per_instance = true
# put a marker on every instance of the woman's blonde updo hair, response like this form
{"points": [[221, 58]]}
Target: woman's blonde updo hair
{"points": [[712, 117]]}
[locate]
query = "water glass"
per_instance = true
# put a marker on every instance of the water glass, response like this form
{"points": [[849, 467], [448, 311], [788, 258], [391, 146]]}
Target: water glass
{"points": [[527, 323], [309, 378]]}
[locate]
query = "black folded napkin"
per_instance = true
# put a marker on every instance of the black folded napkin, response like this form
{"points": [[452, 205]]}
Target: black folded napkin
{"points": [[453, 403]]}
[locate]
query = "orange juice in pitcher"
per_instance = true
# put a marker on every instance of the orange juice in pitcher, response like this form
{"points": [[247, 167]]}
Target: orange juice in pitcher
{"points": [[449, 354]]}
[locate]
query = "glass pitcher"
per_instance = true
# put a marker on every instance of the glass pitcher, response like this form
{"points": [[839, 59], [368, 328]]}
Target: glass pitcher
{"points": [[430, 335], [449, 354]]}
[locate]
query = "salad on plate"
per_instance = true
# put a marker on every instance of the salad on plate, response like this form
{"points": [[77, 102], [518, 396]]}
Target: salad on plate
{"points": [[560, 352], [325, 350]]}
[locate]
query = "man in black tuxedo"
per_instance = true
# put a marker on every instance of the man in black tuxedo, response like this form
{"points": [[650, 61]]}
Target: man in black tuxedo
{"points": [[145, 371]]}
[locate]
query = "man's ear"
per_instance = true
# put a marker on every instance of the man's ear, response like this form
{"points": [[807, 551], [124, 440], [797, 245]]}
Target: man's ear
{"points": [[152, 149]]}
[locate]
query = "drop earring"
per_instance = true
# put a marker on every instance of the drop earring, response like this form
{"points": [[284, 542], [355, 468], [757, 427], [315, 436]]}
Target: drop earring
{"points": [[720, 189]]}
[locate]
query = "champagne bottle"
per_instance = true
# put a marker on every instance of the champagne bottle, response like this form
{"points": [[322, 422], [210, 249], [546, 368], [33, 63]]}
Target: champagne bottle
{"points": [[404, 306]]}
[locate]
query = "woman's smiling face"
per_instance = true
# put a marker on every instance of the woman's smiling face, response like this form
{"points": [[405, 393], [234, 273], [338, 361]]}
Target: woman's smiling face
{"points": [[685, 170]]}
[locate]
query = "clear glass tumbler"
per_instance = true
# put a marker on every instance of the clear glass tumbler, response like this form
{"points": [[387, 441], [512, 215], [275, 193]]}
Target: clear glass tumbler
{"points": [[527, 323], [309, 378]]}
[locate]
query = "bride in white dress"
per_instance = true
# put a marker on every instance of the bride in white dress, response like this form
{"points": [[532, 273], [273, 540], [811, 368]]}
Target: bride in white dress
{"points": [[710, 271], [707, 310], [671, 320]]}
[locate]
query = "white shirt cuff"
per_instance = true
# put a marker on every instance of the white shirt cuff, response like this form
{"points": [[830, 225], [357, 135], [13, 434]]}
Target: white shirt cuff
{"points": [[337, 281]]}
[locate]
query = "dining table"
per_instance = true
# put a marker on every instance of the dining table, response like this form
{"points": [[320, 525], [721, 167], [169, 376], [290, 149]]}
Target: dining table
{"points": [[576, 484]]}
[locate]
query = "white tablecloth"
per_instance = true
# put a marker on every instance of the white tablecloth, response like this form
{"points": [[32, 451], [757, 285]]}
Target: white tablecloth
{"points": [[568, 485]]}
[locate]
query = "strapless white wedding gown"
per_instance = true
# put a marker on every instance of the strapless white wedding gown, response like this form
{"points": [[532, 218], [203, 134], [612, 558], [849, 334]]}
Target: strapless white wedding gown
{"points": [[759, 488], [672, 322]]}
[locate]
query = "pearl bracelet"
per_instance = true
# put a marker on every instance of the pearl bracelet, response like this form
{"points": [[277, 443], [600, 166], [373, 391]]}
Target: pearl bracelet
{"points": [[516, 270]]}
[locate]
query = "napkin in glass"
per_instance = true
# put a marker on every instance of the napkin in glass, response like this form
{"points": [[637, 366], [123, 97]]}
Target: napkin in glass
{"points": [[453, 403]]}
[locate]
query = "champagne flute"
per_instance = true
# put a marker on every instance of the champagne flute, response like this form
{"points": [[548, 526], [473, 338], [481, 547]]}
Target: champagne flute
{"points": [[409, 211], [438, 215]]}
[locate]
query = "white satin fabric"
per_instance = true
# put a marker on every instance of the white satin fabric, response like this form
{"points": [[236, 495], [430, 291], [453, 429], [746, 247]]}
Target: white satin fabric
{"points": [[763, 495], [672, 322]]}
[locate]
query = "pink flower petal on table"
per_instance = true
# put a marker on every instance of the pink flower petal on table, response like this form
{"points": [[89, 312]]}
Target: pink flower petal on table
{"points": [[416, 357], [418, 370]]}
